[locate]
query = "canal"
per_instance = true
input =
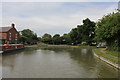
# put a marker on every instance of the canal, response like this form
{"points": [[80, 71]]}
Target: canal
{"points": [[55, 63]]}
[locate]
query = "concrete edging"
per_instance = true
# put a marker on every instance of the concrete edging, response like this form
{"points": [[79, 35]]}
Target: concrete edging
{"points": [[107, 61]]}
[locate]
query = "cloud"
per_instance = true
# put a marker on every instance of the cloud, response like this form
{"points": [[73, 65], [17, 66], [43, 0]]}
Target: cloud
{"points": [[53, 17], [60, 0], [51, 24], [26, 9]]}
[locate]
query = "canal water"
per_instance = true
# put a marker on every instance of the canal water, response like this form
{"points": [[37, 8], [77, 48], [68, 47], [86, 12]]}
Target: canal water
{"points": [[55, 63]]}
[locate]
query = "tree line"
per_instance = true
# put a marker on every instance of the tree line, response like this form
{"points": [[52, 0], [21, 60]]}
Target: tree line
{"points": [[107, 29], [82, 33]]}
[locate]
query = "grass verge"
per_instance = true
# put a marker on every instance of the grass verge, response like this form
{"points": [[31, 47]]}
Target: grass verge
{"points": [[64, 46], [113, 53], [110, 55]]}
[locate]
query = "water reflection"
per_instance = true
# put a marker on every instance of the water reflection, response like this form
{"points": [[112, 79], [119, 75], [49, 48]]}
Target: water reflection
{"points": [[55, 63], [92, 66]]}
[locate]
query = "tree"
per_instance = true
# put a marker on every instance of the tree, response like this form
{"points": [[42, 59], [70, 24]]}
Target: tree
{"points": [[88, 31], [74, 35], [108, 29], [22, 38], [57, 39], [80, 33], [83, 33], [47, 38], [28, 36], [66, 39], [39, 39]]}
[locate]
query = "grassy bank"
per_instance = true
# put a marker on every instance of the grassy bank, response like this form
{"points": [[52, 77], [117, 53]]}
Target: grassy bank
{"points": [[110, 55], [31, 45], [58, 46], [63, 46]]}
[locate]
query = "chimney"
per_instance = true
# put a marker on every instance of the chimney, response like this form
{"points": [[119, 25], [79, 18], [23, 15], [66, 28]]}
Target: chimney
{"points": [[13, 25]]}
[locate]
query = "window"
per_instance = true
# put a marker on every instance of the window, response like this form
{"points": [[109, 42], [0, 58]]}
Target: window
{"points": [[10, 34], [9, 38], [16, 36]]}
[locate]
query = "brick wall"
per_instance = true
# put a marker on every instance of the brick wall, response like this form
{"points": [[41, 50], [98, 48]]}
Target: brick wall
{"points": [[4, 35], [12, 35]]}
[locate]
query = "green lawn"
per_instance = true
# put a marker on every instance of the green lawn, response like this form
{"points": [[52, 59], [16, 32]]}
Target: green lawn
{"points": [[110, 55], [64, 46], [113, 53]]}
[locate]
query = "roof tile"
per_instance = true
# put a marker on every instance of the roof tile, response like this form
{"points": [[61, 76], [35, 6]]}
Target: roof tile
{"points": [[5, 29]]}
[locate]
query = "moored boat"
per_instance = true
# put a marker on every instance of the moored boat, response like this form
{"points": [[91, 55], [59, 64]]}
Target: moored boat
{"points": [[11, 47]]}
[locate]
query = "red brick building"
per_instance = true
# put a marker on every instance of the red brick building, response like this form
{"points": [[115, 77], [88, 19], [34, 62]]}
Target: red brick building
{"points": [[9, 34]]}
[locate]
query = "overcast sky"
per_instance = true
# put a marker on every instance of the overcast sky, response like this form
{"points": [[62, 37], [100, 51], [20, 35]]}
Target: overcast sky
{"points": [[53, 17]]}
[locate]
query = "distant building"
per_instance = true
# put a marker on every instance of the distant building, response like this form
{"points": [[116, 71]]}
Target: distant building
{"points": [[9, 34]]}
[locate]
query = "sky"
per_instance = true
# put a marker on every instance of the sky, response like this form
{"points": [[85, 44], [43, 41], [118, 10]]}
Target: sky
{"points": [[60, 0], [52, 17]]}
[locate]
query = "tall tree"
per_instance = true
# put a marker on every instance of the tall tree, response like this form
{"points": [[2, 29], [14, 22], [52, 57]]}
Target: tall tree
{"points": [[83, 33], [88, 31], [46, 38], [57, 39], [74, 35], [66, 39], [28, 36], [108, 29], [80, 33]]}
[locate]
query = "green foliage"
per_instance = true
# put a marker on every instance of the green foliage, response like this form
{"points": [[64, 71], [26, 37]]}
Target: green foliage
{"points": [[46, 38], [109, 30], [74, 35], [27, 36], [66, 39], [83, 32], [57, 39], [39, 39], [107, 56], [22, 38], [88, 31]]}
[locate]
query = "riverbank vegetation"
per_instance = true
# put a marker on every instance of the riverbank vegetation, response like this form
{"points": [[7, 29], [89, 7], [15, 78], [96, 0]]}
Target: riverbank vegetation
{"points": [[63, 46], [81, 35], [105, 30], [90, 33], [108, 30], [110, 55], [60, 46], [27, 36]]}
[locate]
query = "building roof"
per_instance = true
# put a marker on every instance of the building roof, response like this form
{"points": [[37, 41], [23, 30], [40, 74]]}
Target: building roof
{"points": [[5, 29]]}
